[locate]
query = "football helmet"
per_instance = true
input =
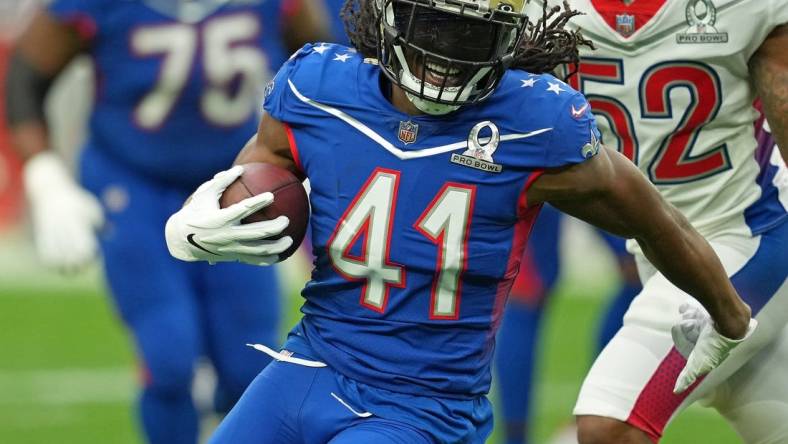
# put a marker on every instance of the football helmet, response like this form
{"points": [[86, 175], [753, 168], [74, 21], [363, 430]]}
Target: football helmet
{"points": [[447, 53]]}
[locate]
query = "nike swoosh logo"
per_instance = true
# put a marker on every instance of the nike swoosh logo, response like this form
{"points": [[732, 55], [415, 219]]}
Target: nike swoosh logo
{"points": [[578, 112], [190, 239]]}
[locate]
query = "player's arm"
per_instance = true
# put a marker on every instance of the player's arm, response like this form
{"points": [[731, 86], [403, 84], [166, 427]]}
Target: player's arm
{"points": [[610, 192], [270, 145], [203, 231], [41, 54], [64, 216], [305, 22], [769, 72]]}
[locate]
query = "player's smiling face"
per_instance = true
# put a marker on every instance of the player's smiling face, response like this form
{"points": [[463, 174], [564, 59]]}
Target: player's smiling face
{"points": [[450, 45]]}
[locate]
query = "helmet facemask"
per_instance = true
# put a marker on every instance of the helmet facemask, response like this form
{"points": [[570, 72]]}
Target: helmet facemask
{"points": [[447, 53]]}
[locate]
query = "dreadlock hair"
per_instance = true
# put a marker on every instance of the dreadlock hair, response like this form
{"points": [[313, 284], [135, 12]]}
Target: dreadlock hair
{"points": [[546, 47], [359, 19]]}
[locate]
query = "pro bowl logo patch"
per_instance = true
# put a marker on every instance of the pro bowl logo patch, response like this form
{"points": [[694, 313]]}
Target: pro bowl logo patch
{"points": [[479, 154], [701, 16], [408, 132]]}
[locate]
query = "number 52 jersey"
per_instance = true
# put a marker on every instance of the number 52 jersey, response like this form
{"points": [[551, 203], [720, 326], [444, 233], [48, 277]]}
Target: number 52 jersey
{"points": [[418, 223], [670, 85]]}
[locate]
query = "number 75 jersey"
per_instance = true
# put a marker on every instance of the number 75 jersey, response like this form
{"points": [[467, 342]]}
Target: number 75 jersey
{"points": [[177, 83], [670, 85], [418, 223]]}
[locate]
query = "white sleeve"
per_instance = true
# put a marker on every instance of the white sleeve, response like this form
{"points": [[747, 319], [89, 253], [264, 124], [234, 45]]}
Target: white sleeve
{"points": [[779, 12]]}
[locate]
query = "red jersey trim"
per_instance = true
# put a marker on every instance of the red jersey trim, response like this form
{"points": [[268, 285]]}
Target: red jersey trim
{"points": [[522, 201], [293, 148]]}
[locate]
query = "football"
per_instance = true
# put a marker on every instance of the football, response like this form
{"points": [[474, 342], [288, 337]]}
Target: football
{"points": [[290, 199]]}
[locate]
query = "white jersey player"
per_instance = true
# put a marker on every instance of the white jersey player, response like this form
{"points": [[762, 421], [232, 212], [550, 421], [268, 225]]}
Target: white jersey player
{"points": [[673, 83]]}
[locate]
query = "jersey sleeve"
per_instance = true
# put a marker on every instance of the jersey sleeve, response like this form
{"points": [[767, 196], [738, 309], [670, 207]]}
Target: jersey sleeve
{"points": [[283, 100], [575, 137], [83, 15], [779, 12]]}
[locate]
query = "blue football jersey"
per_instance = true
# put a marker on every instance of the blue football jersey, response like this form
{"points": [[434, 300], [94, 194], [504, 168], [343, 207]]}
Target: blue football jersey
{"points": [[178, 83], [418, 223]]}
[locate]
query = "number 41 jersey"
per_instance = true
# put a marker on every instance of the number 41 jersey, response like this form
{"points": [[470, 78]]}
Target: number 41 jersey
{"points": [[418, 223], [670, 84]]}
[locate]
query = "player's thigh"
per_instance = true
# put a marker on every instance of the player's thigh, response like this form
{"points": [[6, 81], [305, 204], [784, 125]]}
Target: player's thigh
{"points": [[152, 291], [755, 399], [380, 431], [268, 412]]}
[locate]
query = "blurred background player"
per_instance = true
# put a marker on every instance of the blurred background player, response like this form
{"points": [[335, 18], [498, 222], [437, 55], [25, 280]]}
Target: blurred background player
{"points": [[673, 85], [518, 338], [177, 83]]}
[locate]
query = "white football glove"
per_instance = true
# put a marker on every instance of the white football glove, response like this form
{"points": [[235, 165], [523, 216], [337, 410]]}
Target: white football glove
{"points": [[65, 216], [697, 340], [201, 230]]}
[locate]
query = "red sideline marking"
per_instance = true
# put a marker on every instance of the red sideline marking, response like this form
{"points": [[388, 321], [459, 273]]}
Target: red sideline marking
{"points": [[293, 148], [657, 403]]}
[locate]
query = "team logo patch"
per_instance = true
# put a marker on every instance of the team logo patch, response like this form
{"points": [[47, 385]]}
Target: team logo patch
{"points": [[591, 148], [625, 24], [701, 16], [479, 154], [408, 132], [269, 88]]}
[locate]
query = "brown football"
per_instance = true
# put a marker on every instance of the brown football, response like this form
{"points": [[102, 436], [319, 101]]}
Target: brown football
{"points": [[290, 199]]}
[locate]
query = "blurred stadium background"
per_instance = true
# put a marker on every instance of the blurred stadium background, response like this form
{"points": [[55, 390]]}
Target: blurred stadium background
{"points": [[67, 368]]}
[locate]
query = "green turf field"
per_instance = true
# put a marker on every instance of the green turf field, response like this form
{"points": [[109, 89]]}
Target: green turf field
{"points": [[67, 370]]}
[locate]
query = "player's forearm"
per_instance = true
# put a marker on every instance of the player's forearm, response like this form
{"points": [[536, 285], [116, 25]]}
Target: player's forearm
{"points": [[611, 193], [26, 89], [683, 256], [769, 72]]}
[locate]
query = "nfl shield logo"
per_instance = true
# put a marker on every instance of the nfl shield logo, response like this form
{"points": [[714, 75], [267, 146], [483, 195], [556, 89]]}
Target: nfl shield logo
{"points": [[408, 131], [625, 24]]}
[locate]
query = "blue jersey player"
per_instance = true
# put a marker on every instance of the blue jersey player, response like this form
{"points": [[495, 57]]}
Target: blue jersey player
{"points": [[177, 83], [430, 148]]}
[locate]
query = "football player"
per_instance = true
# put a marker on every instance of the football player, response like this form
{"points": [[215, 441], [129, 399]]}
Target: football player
{"points": [[673, 83], [430, 148], [177, 83], [521, 324]]}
